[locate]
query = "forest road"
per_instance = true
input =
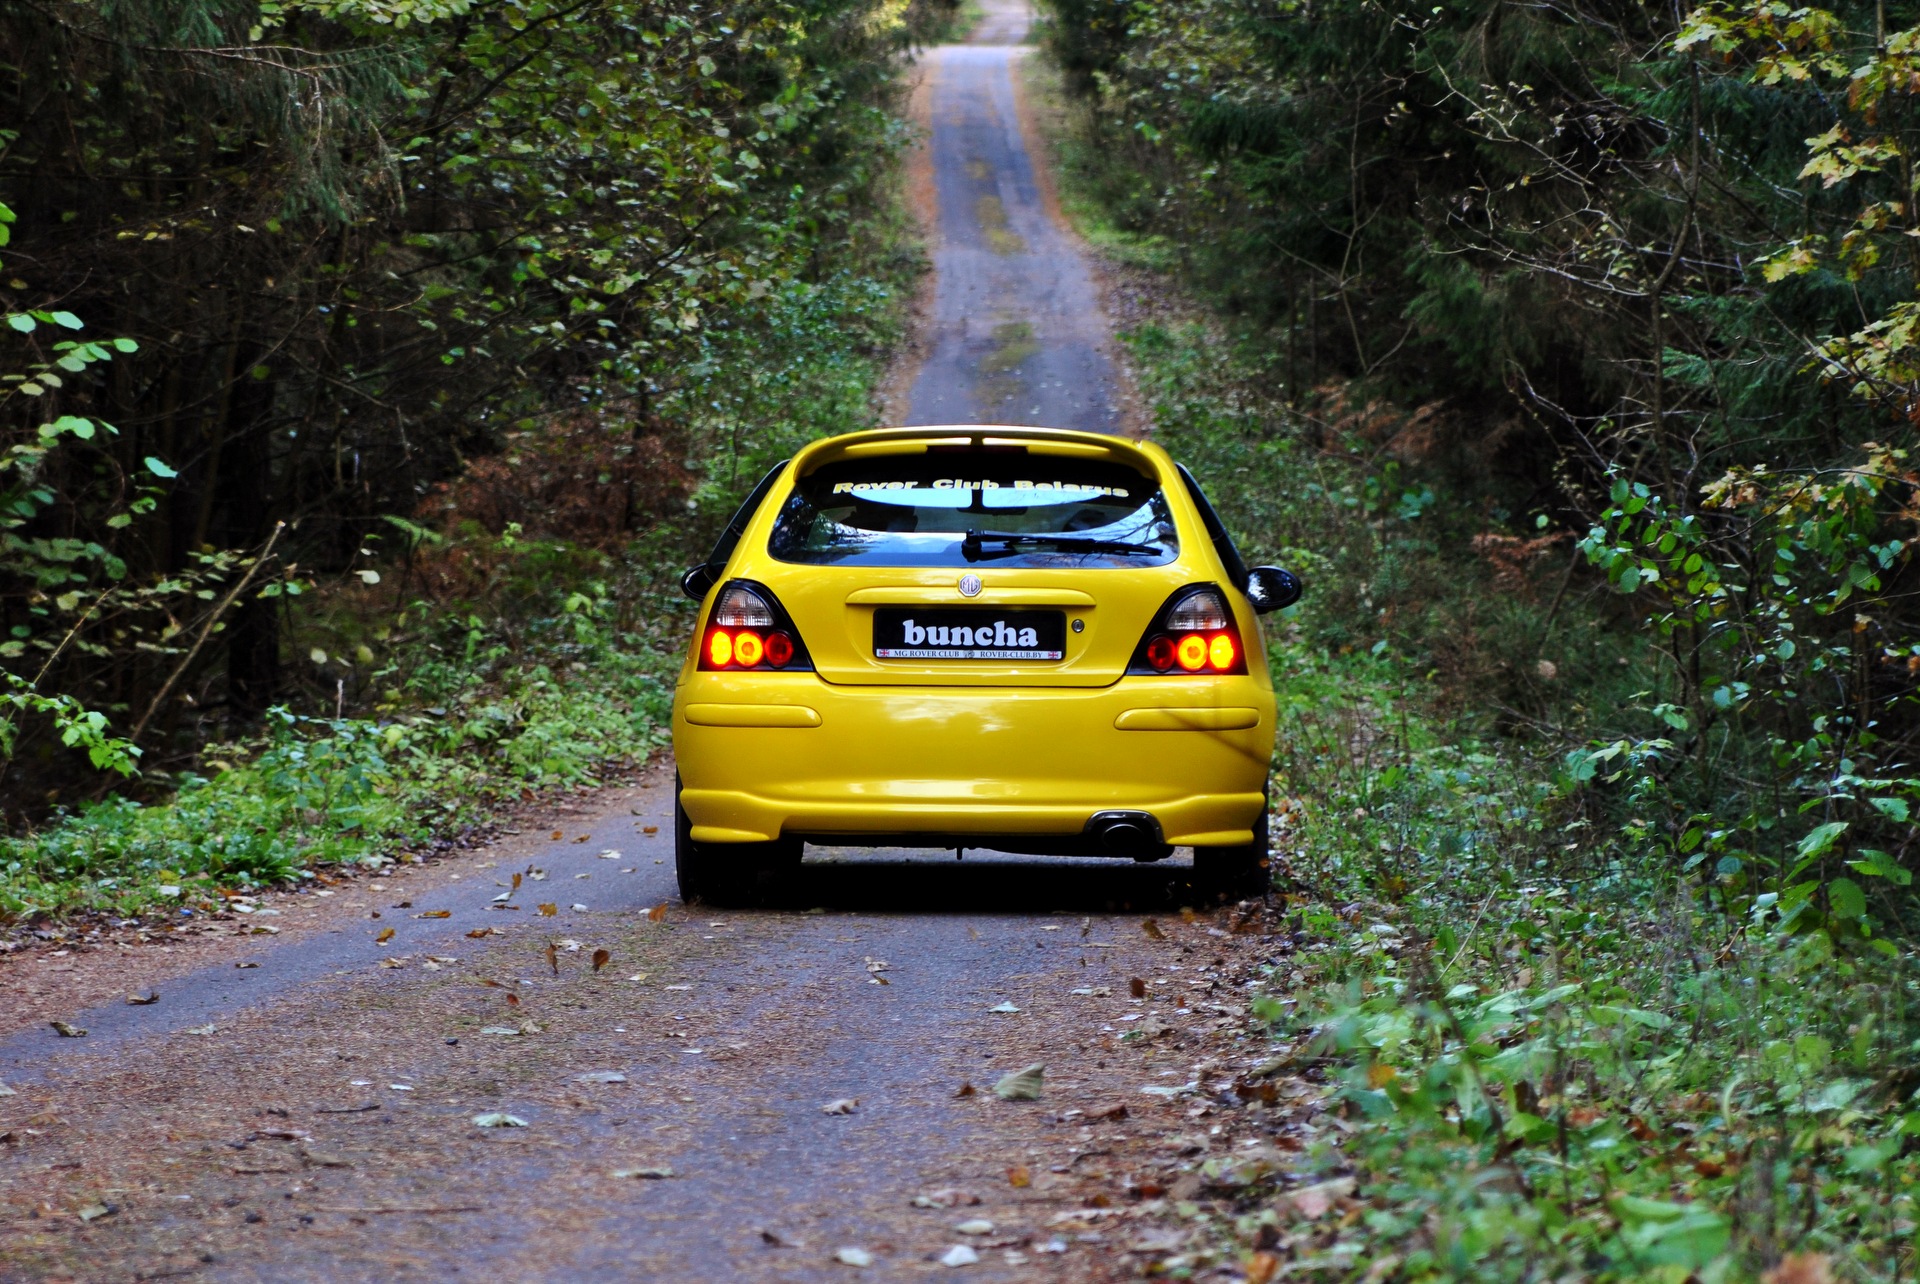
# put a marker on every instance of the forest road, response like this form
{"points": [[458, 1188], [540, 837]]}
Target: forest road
{"points": [[344, 1102], [1015, 333]]}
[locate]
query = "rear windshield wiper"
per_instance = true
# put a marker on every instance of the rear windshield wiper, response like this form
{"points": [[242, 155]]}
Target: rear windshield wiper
{"points": [[973, 547]]}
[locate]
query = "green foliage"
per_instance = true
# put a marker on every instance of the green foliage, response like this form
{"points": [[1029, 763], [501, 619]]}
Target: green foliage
{"points": [[1574, 1030], [542, 664], [392, 239]]}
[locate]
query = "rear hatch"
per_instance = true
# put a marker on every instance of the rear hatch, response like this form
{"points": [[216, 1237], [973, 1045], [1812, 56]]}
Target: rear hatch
{"points": [[975, 560]]}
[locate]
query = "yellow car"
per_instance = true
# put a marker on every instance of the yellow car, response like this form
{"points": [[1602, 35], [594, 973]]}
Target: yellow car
{"points": [[1020, 639]]}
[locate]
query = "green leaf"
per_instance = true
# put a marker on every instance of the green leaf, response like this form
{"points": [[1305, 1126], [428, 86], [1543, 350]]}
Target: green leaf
{"points": [[159, 469], [22, 322], [68, 320], [1894, 809], [1846, 899], [1877, 864], [125, 345]]}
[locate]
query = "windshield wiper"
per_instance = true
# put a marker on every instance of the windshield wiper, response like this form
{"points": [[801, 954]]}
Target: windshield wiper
{"points": [[973, 546]]}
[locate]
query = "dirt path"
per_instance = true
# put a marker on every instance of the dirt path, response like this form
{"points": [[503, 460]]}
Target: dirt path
{"points": [[1015, 332], [302, 1105]]}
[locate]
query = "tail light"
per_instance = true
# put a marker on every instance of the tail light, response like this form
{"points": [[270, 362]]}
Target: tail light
{"points": [[749, 630], [1194, 633]]}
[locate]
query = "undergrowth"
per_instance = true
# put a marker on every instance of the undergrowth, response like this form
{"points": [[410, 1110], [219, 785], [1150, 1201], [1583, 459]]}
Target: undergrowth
{"points": [[490, 662]]}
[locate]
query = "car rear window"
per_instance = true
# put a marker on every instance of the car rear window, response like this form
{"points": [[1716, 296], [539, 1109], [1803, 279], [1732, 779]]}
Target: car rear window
{"points": [[976, 508]]}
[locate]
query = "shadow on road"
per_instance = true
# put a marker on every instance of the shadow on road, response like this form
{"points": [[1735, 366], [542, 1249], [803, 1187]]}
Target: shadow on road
{"points": [[989, 884]]}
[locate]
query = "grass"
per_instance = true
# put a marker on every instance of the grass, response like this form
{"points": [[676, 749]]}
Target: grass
{"points": [[1559, 1054]]}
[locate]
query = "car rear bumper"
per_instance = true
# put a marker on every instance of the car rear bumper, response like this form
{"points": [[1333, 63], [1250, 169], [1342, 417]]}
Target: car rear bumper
{"points": [[768, 755]]}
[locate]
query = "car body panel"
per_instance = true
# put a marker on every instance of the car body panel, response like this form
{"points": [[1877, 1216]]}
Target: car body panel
{"points": [[955, 748]]}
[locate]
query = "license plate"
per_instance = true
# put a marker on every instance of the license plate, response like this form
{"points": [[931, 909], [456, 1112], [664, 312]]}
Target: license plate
{"points": [[968, 633]]}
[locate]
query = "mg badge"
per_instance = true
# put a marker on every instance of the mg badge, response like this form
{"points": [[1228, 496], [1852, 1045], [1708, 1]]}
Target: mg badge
{"points": [[969, 585]]}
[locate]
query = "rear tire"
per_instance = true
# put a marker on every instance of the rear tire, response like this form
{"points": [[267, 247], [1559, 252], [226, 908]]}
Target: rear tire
{"points": [[729, 874], [1235, 873]]}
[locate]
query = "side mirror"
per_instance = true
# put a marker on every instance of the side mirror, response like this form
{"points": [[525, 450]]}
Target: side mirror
{"points": [[697, 581], [1269, 588]]}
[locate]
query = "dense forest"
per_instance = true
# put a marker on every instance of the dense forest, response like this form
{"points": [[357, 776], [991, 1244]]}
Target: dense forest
{"points": [[1628, 284], [1571, 350], [278, 275]]}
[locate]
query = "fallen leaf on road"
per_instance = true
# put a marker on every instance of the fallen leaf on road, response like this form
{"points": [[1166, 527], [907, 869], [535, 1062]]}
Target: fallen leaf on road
{"points": [[323, 1159], [853, 1257], [434, 914], [549, 909], [601, 1076], [679, 987], [386, 934], [553, 957], [659, 1173], [583, 838], [66, 1031], [1263, 1268], [975, 1226], [601, 958], [1019, 1176], [499, 1029], [516, 885], [537, 875], [94, 1212], [877, 965], [1317, 1200], [568, 944], [1152, 929], [640, 976], [965, 1090], [1136, 987], [203, 1030], [1159, 1241], [1021, 1085], [5, 1091], [657, 913], [556, 835], [878, 980], [959, 1255], [499, 1119], [1115, 1112], [1003, 1007], [1095, 991], [946, 1197], [141, 1000], [513, 1000], [393, 962], [840, 1106], [773, 1240], [609, 854], [246, 965], [261, 929], [578, 908], [649, 829]]}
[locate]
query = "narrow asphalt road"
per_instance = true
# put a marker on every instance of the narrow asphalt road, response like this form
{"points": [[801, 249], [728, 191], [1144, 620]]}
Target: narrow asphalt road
{"points": [[1016, 334], [313, 1117]]}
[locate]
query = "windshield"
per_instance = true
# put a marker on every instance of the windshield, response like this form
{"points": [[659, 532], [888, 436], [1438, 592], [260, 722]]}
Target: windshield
{"points": [[968, 507]]}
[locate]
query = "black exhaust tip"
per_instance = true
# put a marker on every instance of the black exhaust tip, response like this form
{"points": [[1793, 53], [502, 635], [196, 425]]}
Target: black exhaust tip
{"points": [[1134, 834]]}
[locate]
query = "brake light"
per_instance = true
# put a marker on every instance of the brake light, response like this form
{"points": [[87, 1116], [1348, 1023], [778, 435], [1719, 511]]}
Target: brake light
{"points": [[749, 630], [1194, 633]]}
